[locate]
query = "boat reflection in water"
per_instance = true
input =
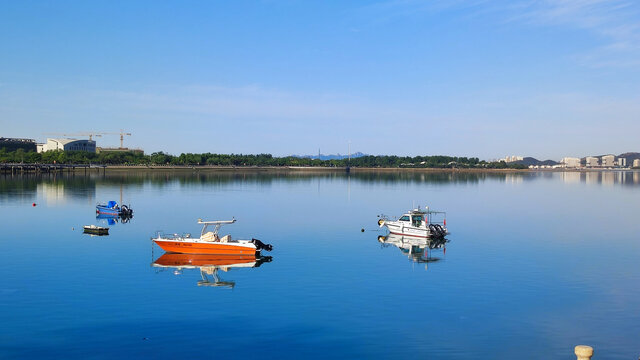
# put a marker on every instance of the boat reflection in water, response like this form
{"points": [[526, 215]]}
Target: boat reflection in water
{"points": [[418, 250], [209, 265], [113, 219]]}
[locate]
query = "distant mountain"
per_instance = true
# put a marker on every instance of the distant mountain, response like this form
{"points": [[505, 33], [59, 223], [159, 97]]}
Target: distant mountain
{"points": [[331, 156], [528, 161], [630, 156]]}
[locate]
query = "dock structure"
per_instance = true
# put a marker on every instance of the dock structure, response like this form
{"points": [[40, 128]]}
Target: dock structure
{"points": [[46, 168]]}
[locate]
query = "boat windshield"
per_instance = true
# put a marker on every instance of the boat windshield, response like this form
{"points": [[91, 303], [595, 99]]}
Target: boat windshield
{"points": [[404, 218]]}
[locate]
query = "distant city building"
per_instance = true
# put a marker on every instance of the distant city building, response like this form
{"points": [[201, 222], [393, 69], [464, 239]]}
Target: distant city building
{"points": [[571, 162], [512, 158], [67, 145], [622, 162], [608, 160], [636, 163], [13, 144], [592, 161]]}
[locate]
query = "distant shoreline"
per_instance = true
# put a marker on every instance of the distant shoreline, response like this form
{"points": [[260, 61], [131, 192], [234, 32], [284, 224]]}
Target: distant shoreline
{"points": [[292, 169], [339, 169], [301, 169]]}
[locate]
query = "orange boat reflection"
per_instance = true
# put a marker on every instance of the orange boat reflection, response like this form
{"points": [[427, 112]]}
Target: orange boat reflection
{"points": [[209, 264]]}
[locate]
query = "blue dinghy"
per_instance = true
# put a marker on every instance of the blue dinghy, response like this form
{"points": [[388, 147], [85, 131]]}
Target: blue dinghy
{"points": [[112, 208]]}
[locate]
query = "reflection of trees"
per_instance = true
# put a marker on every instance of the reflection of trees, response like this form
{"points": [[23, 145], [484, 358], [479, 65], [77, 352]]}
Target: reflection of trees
{"points": [[83, 185], [16, 188], [26, 186]]}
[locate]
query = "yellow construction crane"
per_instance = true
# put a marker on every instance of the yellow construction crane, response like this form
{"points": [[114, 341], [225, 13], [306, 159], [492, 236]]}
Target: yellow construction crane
{"points": [[121, 133], [89, 134]]}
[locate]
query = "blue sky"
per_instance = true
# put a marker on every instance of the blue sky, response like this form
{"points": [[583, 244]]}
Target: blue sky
{"points": [[548, 78]]}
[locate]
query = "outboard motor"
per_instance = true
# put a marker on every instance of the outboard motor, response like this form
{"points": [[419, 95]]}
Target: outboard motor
{"points": [[436, 231], [260, 245], [126, 212]]}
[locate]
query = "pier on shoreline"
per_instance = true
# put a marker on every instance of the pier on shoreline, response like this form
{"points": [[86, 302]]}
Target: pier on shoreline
{"points": [[47, 168]]}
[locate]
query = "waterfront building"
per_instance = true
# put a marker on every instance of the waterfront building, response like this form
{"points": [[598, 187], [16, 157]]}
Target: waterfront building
{"points": [[636, 163], [622, 162], [67, 145], [608, 160], [571, 162], [13, 144], [510, 159], [592, 161]]}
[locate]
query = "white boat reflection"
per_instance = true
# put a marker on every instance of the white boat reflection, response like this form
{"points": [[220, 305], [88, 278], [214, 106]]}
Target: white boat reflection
{"points": [[208, 265], [418, 250]]}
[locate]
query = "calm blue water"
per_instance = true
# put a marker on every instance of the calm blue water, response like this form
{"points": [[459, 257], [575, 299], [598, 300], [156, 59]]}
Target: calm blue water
{"points": [[536, 264]]}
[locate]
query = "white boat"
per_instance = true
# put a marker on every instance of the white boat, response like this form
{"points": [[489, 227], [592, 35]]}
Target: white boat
{"points": [[95, 230], [210, 242], [419, 223]]}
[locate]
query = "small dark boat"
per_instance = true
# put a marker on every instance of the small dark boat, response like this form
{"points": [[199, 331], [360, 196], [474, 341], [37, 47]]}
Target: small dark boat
{"points": [[112, 208], [96, 230]]}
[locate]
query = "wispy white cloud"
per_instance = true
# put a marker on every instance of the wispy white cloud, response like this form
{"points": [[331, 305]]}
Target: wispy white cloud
{"points": [[615, 24]]}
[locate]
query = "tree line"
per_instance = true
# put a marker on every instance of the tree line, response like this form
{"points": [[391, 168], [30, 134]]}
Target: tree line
{"points": [[189, 159]]}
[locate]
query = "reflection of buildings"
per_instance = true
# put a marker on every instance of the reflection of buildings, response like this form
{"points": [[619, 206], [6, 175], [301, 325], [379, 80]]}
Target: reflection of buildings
{"points": [[418, 250], [57, 192], [608, 178], [513, 178], [209, 265], [592, 177], [571, 177], [52, 193]]}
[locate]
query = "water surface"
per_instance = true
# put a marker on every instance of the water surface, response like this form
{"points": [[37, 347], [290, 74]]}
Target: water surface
{"points": [[536, 262]]}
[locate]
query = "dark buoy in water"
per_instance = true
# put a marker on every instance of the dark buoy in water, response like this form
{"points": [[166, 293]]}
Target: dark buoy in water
{"points": [[34, 204], [362, 230]]}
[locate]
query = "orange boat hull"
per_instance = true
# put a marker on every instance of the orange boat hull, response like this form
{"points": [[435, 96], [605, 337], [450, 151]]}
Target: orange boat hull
{"points": [[205, 248]]}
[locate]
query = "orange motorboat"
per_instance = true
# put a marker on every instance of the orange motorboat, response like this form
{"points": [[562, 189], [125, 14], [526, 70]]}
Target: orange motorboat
{"points": [[210, 242], [209, 265]]}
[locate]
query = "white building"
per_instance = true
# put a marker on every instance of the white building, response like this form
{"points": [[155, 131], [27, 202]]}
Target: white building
{"points": [[592, 161], [512, 158], [622, 162], [636, 163], [571, 162], [608, 160], [67, 145]]}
